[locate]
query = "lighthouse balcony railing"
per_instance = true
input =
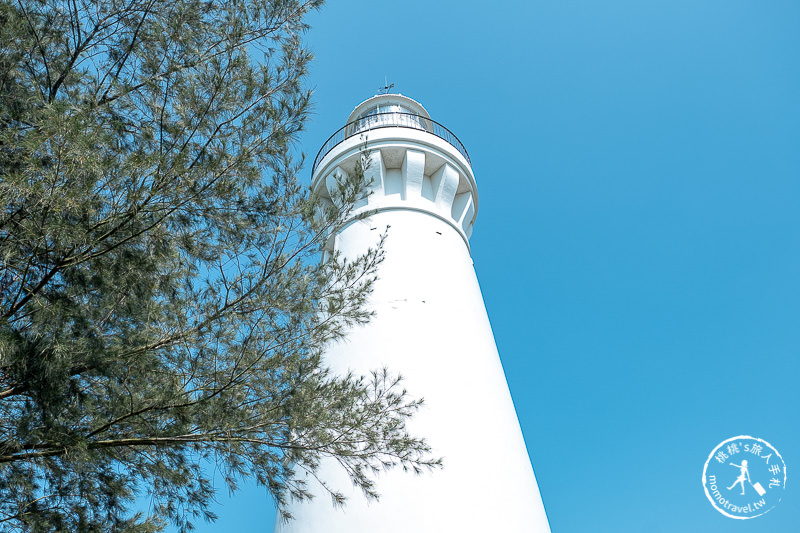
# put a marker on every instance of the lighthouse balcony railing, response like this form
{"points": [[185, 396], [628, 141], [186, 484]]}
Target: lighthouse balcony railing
{"points": [[388, 120]]}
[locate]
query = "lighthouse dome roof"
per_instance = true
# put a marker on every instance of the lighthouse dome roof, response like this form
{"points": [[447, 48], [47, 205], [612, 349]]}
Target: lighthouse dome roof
{"points": [[387, 103]]}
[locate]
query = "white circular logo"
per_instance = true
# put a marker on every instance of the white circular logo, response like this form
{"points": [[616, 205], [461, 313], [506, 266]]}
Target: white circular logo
{"points": [[744, 477]]}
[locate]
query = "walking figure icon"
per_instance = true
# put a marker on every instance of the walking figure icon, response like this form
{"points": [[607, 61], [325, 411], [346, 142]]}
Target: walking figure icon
{"points": [[744, 474]]}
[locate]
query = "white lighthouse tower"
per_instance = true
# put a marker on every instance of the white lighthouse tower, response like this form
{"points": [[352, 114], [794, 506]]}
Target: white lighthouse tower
{"points": [[430, 325]]}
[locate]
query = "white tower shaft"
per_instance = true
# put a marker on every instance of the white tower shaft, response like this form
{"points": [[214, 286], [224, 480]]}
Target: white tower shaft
{"points": [[431, 326]]}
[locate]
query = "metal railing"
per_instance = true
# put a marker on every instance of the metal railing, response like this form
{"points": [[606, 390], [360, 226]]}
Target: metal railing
{"points": [[388, 120]]}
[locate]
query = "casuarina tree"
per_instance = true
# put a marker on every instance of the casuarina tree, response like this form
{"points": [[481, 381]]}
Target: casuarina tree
{"points": [[163, 305]]}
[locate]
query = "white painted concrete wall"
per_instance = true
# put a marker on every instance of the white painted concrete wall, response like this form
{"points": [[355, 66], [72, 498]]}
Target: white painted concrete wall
{"points": [[431, 326]]}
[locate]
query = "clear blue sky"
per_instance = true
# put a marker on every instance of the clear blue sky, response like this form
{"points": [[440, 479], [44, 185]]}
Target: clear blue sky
{"points": [[638, 239]]}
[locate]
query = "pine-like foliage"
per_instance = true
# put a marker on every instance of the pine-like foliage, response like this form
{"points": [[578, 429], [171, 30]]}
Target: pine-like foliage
{"points": [[162, 302]]}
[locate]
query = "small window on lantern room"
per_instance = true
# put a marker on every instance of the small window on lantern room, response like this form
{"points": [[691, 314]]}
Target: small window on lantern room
{"points": [[369, 112], [388, 115], [384, 109]]}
